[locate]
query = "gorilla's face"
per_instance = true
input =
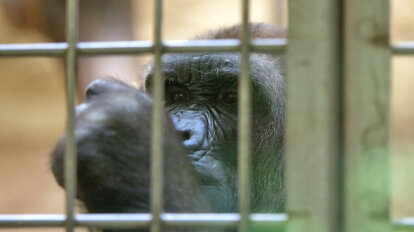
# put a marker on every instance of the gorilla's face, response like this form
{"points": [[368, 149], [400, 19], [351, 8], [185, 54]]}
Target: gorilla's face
{"points": [[201, 99]]}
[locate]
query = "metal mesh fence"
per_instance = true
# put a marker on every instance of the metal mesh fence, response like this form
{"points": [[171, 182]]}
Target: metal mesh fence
{"points": [[319, 30]]}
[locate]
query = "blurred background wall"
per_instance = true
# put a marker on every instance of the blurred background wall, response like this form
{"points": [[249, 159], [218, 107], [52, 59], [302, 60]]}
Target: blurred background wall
{"points": [[32, 101]]}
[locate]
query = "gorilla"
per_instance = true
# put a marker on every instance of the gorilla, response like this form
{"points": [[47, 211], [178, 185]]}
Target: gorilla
{"points": [[112, 134]]}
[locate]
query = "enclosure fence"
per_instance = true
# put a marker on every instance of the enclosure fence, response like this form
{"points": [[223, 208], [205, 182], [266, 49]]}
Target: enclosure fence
{"points": [[337, 150]]}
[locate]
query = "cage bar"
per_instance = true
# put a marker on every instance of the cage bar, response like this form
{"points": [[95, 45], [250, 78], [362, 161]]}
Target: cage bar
{"points": [[366, 126], [244, 124], [31, 220], [157, 160], [313, 130], [281, 8], [121, 221], [140, 47], [403, 224], [70, 150], [114, 221], [142, 220], [37, 49], [403, 48]]}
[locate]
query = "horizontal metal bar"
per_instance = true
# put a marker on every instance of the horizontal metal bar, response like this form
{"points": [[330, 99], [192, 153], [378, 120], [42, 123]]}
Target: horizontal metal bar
{"points": [[268, 45], [222, 220], [118, 221], [403, 48], [224, 45], [140, 47], [32, 220], [121, 221], [169, 219], [114, 48], [114, 221], [38, 49], [403, 224]]}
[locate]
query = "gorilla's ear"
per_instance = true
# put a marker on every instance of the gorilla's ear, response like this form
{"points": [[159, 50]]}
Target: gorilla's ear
{"points": [[147, 70]]}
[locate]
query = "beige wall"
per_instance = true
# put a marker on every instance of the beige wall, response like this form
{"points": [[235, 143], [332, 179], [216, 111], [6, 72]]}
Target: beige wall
{"points": [[183, 19]]}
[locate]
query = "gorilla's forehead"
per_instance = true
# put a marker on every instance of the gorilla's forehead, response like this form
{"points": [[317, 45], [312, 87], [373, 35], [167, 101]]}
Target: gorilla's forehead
{"points": [[190, 68]]}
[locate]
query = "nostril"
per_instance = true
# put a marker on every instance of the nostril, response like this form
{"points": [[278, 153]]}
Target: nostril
{"points": [[192, 131], [185, 135], [193, 139]]}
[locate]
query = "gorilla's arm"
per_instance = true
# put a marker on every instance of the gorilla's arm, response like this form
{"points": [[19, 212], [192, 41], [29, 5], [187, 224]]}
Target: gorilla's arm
{"points": [[113, 142]]}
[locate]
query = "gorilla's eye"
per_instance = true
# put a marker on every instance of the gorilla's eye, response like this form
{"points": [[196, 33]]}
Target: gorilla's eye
{"points": [[179, 96], [230, 98], [176, 94]]}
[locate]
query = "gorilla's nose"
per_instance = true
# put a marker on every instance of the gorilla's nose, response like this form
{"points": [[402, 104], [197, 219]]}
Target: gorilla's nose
{"points": [[101, 86], [193, 132]]}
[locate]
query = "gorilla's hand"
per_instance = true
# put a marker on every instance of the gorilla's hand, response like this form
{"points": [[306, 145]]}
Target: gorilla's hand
{"points": [[112, 135]]}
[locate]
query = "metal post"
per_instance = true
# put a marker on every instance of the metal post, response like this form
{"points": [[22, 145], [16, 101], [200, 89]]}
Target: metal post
{"points": [[244, 124], [70, 152], [280, 17], [313, 130], [157, 161], [367, 70]]}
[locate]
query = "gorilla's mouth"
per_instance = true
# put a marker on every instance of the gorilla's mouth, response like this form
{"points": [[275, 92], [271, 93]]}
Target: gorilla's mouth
{"points": [[209, 180], [197, 155], [209, 170]]}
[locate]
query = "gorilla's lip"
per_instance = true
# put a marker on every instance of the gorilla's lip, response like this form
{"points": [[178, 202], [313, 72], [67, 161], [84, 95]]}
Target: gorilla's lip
{"points": [[209, 170], [209, 180], [197, 155]]}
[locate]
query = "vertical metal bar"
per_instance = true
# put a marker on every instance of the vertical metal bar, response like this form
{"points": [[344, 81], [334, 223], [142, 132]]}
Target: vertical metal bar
{"points": [[367, 71], [71, 70], [313, 130], [157, 161], [281, 13], [244, 124]]}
